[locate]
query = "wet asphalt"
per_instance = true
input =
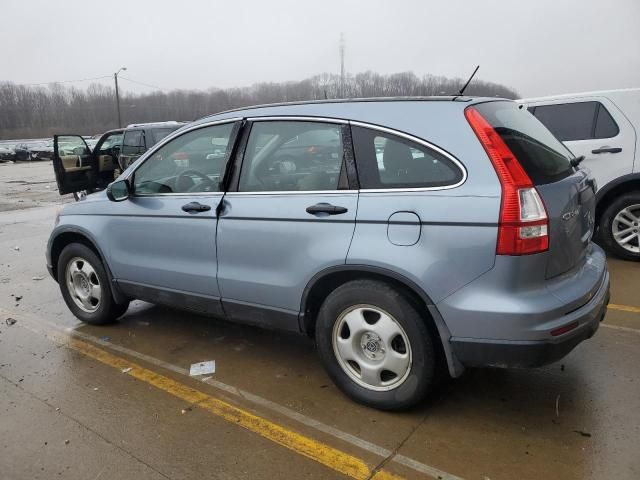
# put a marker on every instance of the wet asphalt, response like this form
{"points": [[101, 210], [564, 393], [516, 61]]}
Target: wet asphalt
{"points": [[64, 414]]}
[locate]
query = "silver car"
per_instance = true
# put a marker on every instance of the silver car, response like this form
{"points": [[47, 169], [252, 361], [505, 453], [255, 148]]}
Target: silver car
{"points": [[426, 236]]}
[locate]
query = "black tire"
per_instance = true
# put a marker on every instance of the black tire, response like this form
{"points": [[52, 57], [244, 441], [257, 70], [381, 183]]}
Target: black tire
{"points": [[420, 378], [606, 225], [107, 310]]}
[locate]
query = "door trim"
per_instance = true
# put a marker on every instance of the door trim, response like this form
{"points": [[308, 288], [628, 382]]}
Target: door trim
{"points": [[203, 304], [261, 315]]}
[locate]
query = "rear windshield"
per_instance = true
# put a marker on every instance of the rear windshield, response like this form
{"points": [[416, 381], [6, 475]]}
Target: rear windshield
{"points": [[543, 156]]}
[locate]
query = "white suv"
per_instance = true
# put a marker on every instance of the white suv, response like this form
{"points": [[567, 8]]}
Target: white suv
{"points": [[603, 127]]}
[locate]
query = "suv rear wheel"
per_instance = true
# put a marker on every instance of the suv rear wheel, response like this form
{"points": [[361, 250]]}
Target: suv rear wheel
{"points": [[620, 227], [85, 287], [375, 345]]}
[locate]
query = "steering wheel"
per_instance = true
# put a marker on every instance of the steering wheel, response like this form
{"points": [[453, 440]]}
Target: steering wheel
{"points": [[183, 177]]}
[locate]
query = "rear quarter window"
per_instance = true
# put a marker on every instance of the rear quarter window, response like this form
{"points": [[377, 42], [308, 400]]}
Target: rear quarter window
{"points": [[385, 160], [541, 154]]}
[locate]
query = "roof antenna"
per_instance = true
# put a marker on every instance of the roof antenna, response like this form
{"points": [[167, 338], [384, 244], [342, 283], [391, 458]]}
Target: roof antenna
{"points": [[461, 92]]}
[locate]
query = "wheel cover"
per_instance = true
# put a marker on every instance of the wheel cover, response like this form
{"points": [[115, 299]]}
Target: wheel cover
{"points": [[83, 284], [625, 228], [372, 348]]}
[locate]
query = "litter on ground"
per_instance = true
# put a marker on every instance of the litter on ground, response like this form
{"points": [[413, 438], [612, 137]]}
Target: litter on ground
{"points": [[202, 368]]}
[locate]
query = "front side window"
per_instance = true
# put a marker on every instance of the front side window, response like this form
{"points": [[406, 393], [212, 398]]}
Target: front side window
{"points": [[385, 160], [133, 143], [193, 162], [292, 156], [115, 139], [577, 121], [72, 145]]}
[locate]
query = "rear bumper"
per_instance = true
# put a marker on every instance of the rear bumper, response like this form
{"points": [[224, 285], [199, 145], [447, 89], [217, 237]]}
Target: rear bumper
{"points": [[534, 353]]}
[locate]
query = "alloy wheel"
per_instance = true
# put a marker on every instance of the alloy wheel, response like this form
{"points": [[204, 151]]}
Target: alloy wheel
{"points": [[626, 228]]}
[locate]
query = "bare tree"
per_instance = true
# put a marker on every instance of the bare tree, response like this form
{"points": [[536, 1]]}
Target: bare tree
{"points": [[29, 112]]}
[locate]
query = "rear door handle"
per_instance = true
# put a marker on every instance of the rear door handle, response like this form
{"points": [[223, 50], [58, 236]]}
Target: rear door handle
{"points": [[195, 207], [607, 150], [326, 208]]}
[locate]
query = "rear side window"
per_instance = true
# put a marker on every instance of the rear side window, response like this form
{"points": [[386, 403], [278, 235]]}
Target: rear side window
{"points": [[292, 156], [577, 121], [543, 156], [154, 135], [385, 161], [133, 143]]}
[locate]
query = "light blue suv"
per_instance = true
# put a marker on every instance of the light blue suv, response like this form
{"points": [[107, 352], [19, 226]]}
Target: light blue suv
{"points": [[408, 236]]}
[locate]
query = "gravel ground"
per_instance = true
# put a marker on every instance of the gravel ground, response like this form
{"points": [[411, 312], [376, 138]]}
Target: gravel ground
{"points": [[27, 185]]}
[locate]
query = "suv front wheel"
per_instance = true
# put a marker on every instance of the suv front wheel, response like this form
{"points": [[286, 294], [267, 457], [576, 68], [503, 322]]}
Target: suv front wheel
{"points": [[619, 227], [85, 287], [375, 345]]}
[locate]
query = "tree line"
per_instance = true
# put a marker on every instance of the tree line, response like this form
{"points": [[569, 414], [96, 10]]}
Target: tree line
{"points": [[32, 112]]}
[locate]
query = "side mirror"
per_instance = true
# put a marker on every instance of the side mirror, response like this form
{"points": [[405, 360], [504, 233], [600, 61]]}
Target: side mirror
{"points": [[118, 191]]}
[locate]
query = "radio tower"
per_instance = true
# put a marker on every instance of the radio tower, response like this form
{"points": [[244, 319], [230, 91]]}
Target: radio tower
{"points": [[342, 65]]}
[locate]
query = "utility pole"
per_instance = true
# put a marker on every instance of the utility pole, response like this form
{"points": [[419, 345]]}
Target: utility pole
{"points": [[342, 65], [115, 78]]}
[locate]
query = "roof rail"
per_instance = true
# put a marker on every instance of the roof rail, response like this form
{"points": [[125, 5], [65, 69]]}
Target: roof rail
{"points": [[155, 124]]}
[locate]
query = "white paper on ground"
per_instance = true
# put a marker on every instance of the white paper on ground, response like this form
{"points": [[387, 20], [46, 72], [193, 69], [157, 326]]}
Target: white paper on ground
{"points": [[202, 368]]}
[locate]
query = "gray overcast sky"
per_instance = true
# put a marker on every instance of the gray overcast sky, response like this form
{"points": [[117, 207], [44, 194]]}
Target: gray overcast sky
{"points": [[538, 48]]}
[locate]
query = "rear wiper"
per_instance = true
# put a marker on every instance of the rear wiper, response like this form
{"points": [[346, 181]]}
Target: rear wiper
{"points": [[577, 161]]}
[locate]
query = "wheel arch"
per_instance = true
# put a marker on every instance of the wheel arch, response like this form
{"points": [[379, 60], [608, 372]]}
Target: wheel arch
{"points": [[68, 235], [614, 189], [327, 280]]}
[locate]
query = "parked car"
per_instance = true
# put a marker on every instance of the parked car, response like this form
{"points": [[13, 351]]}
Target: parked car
{"points": [[467, 245], [603, 127], [41, 151], [139, 137], [6, 153], [23, 150]]}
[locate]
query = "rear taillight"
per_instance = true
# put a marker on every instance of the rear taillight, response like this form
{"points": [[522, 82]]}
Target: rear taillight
{"points": [[523, 226]]}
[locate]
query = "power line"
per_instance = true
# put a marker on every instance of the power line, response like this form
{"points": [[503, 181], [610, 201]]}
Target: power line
{"points": [[88, 79], [61, 81], [142, 83]]}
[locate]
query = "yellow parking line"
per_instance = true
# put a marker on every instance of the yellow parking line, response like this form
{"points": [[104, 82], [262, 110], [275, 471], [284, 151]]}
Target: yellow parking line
{"points": [[624, 308], [333, 458]]}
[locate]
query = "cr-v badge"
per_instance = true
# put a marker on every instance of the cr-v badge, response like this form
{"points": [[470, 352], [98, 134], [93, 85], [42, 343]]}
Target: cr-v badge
{"points": [[570, 214]]}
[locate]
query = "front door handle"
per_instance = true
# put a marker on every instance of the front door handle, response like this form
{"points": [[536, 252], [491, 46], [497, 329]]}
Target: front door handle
{"points": [[607, 150], [326, 208], [195, 207]]}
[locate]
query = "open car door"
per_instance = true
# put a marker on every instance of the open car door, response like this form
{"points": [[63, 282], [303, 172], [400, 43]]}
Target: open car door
{"points": [[73, 164], [79, 169]]}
